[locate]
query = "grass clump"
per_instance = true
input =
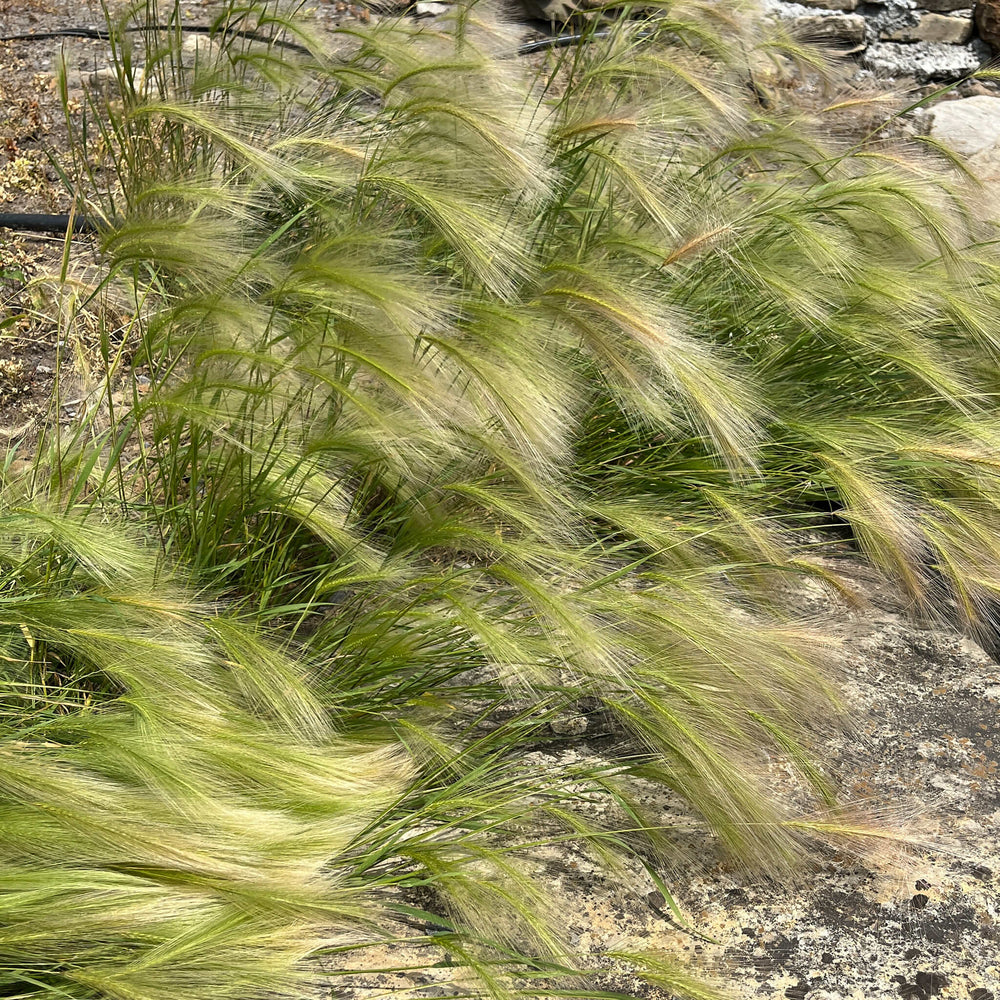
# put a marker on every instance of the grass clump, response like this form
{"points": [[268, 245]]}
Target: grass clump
{"points": [[172, 793], [181, 818], [480, 389]]}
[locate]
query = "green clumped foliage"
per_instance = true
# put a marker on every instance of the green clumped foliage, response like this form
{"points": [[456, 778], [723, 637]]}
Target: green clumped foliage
{"points": [[199, 828], [171, 836], [480, 387]]}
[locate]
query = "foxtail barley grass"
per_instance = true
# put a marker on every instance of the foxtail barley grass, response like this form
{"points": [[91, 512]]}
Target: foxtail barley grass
{"points": [[480, 388]]}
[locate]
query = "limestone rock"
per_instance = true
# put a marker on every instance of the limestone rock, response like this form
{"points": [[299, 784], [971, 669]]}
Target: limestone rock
{"points": [[988, 22], [430, 8], [830, 27], [831, 4], [946, 6], [971, 127], [926, 62], [968, 126], [951, 29], [924, 735]]}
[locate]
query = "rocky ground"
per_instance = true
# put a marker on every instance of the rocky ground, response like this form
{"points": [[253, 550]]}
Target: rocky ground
{"points": [[911, 910], [929, 40], [918, 917]]}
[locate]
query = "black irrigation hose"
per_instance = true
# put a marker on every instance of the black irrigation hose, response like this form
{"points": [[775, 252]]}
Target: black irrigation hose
{"points": [[99, 34], [30, 222]]}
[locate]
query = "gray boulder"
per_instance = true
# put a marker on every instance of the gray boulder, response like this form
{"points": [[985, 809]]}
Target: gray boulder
{"points": [[971, 127], [926, 62]]}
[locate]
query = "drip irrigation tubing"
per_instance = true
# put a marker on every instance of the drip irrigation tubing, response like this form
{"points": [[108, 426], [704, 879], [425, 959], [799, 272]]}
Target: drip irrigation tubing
{"points": [[32, 222], [101, 35]]}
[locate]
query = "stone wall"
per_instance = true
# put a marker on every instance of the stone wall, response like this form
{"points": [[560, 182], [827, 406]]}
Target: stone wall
{"points": [[930, 40]]}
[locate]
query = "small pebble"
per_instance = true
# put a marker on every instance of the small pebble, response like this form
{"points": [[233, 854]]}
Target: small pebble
{"points": [[570, 725]]}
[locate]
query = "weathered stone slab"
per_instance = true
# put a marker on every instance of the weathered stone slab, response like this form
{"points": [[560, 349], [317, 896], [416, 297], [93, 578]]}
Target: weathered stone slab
{"points": [[971, 127], [833, 4], [950, 29], [944, 6], [830, 27]]}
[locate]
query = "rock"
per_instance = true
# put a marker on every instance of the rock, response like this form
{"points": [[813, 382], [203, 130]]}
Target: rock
{"points": [[974, 88], [888, 15], [968, 126], [831, 4], [945, 6], [830, 27], [846, 928], [569, 725], [951, 29], [432, 8], [926, 62], [971, 127], [988, 22]]}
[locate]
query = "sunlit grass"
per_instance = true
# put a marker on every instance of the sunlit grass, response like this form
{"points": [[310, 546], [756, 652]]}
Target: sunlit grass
{"points": [[479, 387]]}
